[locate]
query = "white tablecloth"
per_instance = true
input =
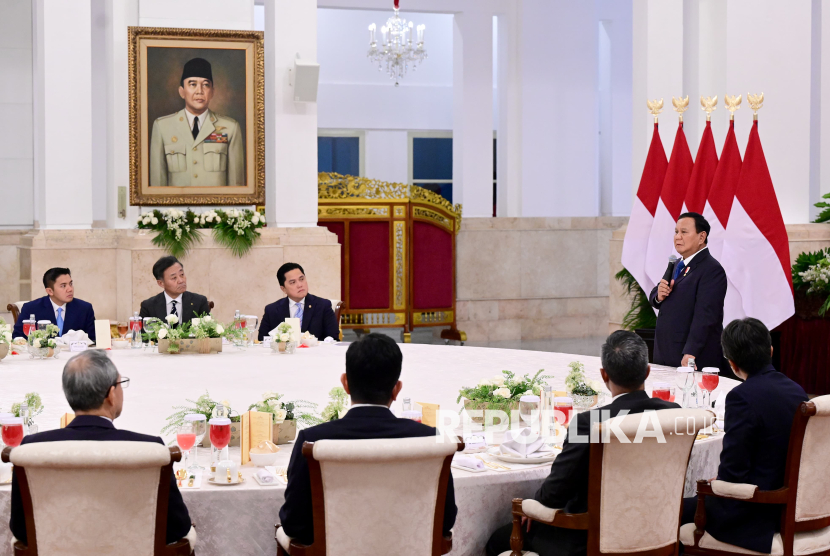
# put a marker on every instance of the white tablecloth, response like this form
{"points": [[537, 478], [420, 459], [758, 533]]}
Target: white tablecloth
{"points": [[239, 520]]}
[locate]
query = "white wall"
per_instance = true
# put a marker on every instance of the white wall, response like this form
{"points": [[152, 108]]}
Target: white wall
{"points": [[16, 147], [386, 155]]}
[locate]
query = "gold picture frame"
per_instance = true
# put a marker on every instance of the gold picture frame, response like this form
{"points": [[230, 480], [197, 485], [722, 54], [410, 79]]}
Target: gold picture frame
{"points": [[157, 116]]}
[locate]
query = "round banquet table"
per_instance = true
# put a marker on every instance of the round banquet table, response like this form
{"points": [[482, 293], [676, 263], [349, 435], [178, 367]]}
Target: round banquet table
{"points": [[240, 519]]}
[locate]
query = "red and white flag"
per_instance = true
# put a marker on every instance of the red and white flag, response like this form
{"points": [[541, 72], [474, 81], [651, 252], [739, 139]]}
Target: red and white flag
{"points": [[756, 251], [672, 195], [642, 213], [706, 162], [717, 209]]}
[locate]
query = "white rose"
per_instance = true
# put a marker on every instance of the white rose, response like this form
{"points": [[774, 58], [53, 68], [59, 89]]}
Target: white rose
{"points": [[268, 395], [8, 336], [162, 334], [171, 319], [503, 392], [498, 380], [279, 415], [36, 343], [219, 329], [485, 382], [195, 322], [155, 221], [207, 318]]}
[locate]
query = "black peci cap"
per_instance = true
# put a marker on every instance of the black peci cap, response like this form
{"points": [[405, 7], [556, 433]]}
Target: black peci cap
{"points": [[197, 67]]}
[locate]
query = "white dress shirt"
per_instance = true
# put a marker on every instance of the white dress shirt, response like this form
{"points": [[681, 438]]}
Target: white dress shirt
{"points": [[55, 308], [178, 301], [293, 308], [202, 117], [618, 396], [689, 259]]}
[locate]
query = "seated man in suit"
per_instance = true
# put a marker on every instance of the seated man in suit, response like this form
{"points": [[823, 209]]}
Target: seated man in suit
{"points": [[315, 313], [175, 299], [624, 371], [59, 306], [373, 367], [95, 391], [759, 416]]}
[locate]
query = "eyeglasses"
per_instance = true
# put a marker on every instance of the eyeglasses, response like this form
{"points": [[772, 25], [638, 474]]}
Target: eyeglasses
{"points": [[124, 382]]}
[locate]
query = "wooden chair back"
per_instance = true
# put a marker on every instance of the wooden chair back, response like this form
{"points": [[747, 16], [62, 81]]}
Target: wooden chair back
{"points": [[14, 309]]}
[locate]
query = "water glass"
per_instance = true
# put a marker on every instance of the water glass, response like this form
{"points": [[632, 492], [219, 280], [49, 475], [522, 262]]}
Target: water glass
{"points": [[199, 423], [685, 379], [251, 325], [529, 409], [186, 439]]}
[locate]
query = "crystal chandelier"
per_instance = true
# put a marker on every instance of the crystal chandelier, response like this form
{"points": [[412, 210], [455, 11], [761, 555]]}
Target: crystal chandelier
{"points": [[397, 51]]}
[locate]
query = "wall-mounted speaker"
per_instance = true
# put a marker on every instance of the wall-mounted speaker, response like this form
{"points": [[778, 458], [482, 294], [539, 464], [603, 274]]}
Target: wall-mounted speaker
{"points": [[304, 78]]}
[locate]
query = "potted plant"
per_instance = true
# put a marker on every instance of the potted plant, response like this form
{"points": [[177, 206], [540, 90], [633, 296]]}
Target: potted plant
{"points": [[585, 392], [286, 415], [500, 393], [202, 335], [811, 282], [42, 343]]}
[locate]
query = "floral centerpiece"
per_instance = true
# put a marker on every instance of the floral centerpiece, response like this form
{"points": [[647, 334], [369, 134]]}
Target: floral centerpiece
{"points": [[5, 338], [286, 415], [811, 282], [584, 391], [33, 401], [201, 335], [207, 406], [337, 406], [42, 342], [179, 231], [282, 339], [501, 392]]}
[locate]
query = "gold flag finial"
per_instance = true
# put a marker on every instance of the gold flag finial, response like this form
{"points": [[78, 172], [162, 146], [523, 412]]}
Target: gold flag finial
{"points": [[756, 102], [732, 103], [655, 107], [680, 105], [709, 105]]}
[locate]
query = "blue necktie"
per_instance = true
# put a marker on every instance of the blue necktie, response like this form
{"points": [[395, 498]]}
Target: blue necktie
{"points": [[678, 269], [60, 321], [299, 314]]}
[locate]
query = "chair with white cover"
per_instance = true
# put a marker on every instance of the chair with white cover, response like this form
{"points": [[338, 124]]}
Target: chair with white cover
{"points": [[635, 490], [88, 497], [376, 496], [15, 308], [805, 496]]}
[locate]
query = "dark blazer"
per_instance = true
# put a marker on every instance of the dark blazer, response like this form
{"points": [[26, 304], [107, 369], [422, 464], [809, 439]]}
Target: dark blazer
{"points": [[759, 416], [318, 317], [360, 423], [192, 304], [90, 427], [567, 485], [691, 317], [79, 315]]}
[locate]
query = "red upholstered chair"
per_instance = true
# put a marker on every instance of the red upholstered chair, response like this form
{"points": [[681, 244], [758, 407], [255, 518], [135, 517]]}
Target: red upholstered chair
{"points": [[805, 496]]}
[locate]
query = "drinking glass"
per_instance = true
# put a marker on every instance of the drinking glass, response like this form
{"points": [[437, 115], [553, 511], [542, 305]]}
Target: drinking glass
{"points": [[3, 417], [199, 423], [122, 329], [12, 431], [563, 409], [685, 379], [220, 437], [529, 409], [660, 390], [708, 382], [251, 324], [185, 438], [28, 326]]}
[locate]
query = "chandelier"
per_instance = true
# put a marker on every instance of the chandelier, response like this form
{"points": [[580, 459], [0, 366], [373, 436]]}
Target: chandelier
{"points": [[397, 50]]}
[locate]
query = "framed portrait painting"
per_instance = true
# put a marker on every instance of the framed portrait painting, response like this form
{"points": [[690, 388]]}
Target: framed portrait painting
{"points": [[197, 101]]}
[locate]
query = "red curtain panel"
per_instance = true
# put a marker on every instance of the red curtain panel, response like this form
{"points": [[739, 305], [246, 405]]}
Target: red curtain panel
{"points": [[432, 279], [805, 353], [369, 284]]}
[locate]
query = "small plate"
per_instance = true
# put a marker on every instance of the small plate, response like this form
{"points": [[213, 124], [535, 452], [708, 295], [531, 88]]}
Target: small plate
{"points": [[225, 483], [528, 461], [467, 469], [277, 481]]}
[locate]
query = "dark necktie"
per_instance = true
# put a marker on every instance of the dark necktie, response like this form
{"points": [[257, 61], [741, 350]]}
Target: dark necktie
{"points": [[678, 269], [195, 127], [173, 310]]}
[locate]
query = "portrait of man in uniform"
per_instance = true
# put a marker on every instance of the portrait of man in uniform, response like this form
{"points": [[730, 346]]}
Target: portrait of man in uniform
{"points": [[196, 146], [197, 98]]}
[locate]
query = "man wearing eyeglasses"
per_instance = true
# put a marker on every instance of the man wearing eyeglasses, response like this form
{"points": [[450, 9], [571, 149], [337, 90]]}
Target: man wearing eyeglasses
{"points": [[95, 391]]}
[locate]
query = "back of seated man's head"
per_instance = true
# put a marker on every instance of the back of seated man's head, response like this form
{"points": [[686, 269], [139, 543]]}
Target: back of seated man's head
{"points": [[90, 384], [373, 367], [625, 359], [747, 345]]}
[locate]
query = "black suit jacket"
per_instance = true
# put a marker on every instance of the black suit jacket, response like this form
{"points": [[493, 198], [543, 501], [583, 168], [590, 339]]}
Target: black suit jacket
{"points": [[79, 315], [691, 317], [759, 416], [318, 317], [192, 304], [89, 427], [360, 423]]}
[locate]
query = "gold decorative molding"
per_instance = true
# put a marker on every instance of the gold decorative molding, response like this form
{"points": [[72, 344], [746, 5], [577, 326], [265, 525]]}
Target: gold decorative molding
{"points": [[438, 218], [357, 320], [732, 103], [352, 212], [709, 105], [400, 211], [337, 187], [421, 195], [655, 107], [399, 286], [432, 317]]}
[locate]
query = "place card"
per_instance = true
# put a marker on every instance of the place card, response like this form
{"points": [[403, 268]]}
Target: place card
{"points": [[429, 413], [78, 346], [295, 325], [66, 418], [256, 427], [103, 340]]}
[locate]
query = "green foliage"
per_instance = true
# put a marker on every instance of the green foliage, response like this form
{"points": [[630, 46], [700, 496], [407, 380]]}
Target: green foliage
{"points": [[44, 338], [640, 315], [32, 400], [176, 231], [501, 392], [337, 406], [577, 383], [811, 271], [204, 405], [302, 411], [237, 230], [824, 216]]}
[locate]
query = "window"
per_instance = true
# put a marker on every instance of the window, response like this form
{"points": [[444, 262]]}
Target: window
{"points": [[340, 152], [430, 161]]}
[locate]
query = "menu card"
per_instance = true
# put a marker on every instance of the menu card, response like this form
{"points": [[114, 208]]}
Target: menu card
{"points": [[256, 427], [66, 418], [295, 329], [429, 413], [103, 340]]}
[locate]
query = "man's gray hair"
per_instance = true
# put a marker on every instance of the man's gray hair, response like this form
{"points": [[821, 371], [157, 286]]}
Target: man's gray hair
{"points": [[87, 379], [625, 359]]}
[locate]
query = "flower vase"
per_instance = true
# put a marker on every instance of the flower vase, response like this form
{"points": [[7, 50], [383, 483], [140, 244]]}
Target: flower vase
{"points": [[472, 405], [4, 350], [284, 432], [583, 402], [203, 345], [286, 347]]}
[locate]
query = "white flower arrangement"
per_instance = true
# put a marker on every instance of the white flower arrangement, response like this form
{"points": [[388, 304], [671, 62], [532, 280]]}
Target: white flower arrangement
{"points": [[503, 392], [283, 333], [5, 332], [171, 319]]}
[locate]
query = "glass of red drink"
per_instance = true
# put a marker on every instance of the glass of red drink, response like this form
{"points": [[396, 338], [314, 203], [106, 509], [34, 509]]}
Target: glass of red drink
{"points": [[28, 326], [12, 431], [220, 437], [186, 438], [708, 382], [661, 390], [563, 409]]}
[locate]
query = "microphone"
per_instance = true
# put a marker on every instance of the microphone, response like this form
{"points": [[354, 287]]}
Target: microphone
{"points": [[670, 269]]}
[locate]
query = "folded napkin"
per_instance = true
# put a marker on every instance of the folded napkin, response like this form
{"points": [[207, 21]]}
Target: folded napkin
{"points": [[272, 469], [266, 476], [329, 340], [74, 336], [516, 444], [468, 462]]}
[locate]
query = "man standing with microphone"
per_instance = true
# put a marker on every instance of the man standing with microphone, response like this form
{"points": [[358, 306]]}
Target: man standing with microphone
{"points": [[690, 301]]}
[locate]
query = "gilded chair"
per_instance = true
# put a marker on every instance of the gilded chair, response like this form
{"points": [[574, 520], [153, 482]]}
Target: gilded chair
{"points": [[804, 498], [376, 496], [635, 492], [103, 498]]}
